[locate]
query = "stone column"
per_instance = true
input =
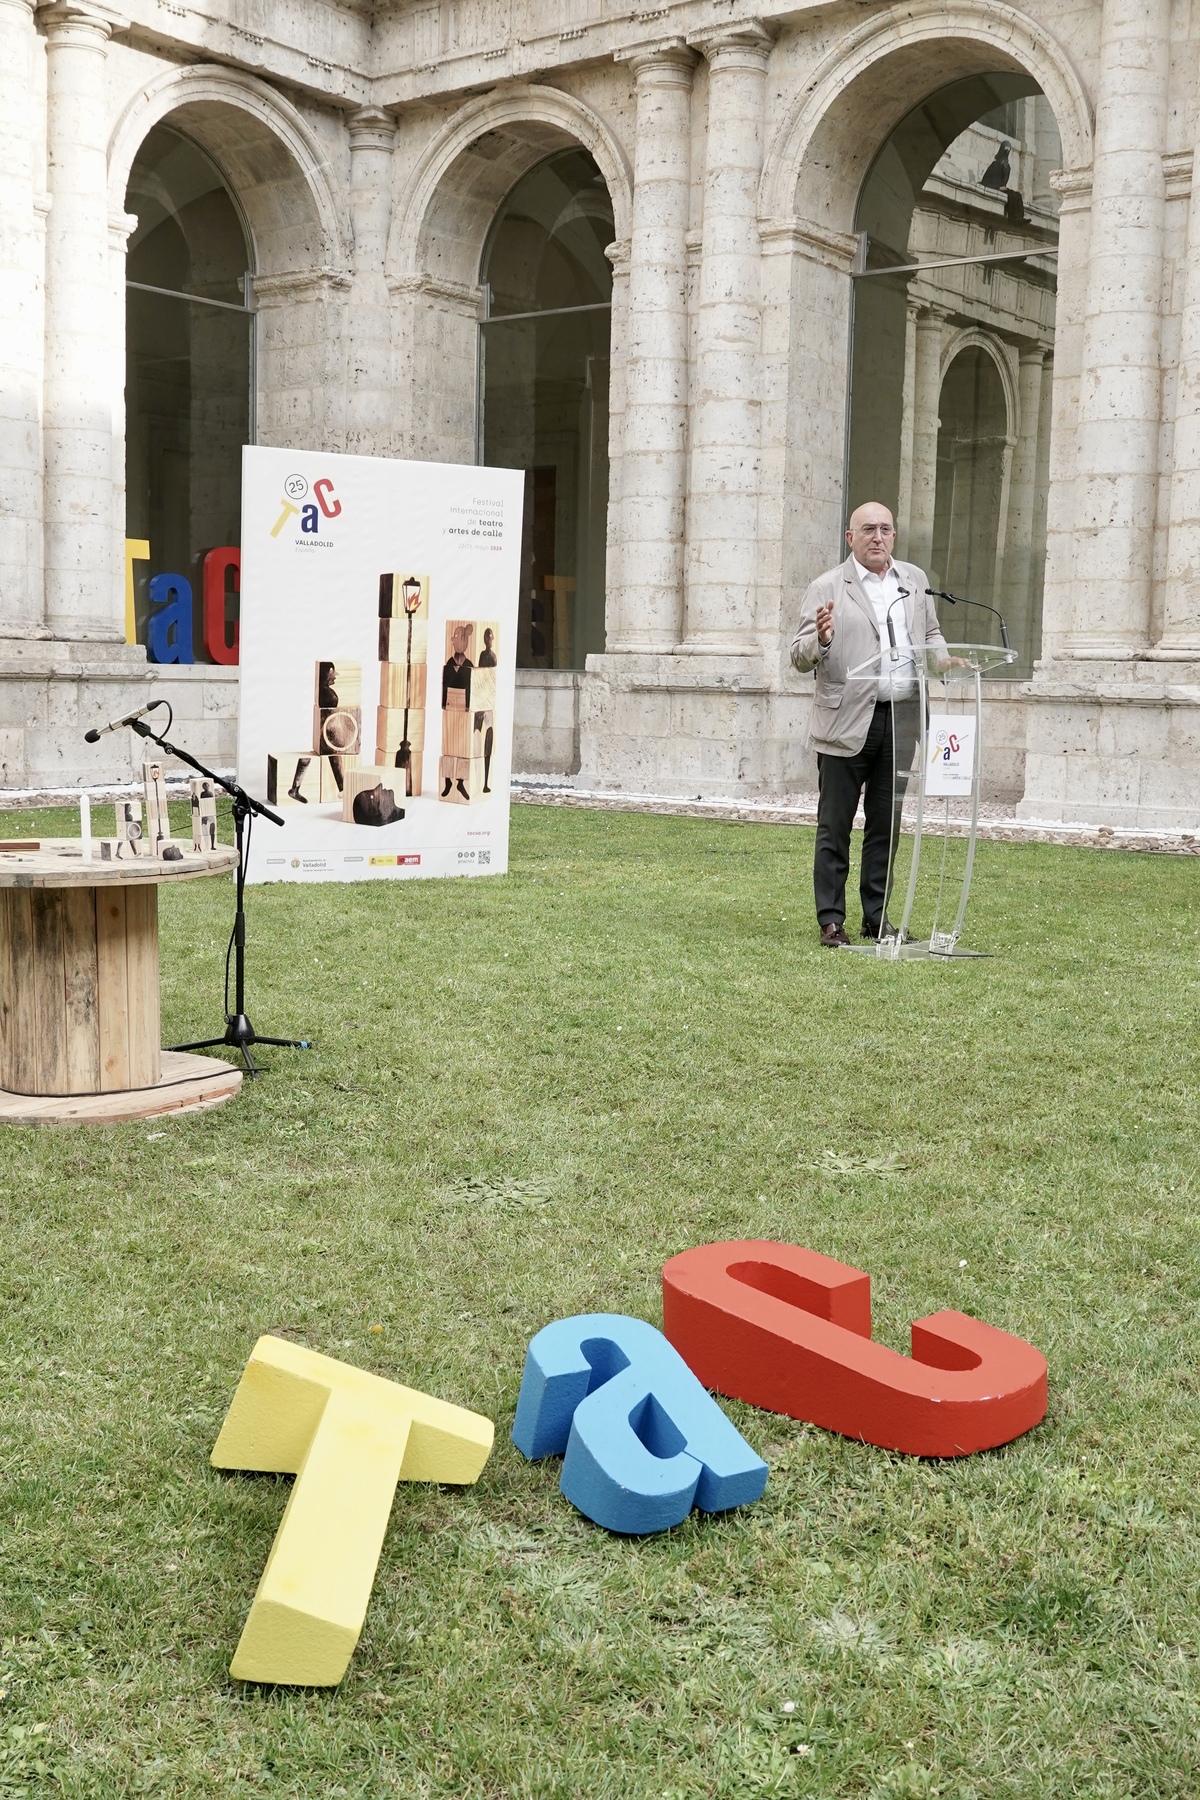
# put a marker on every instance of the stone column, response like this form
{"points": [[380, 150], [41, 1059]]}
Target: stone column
{"points": [[1119, 402], [904, 484], [722, 510], [650, 516], [1041, 480], [20, 330], [369, 382], [83, 598], [1007, 446], [614, 562], [1061, 386], [1023, 497], [1180, 641], [927, 398]]}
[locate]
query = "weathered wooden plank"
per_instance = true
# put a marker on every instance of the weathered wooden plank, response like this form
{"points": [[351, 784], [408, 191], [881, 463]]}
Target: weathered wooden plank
{"points": [[7, 989], [141, 974], [47, 978], [112, 989], [79, 968], [20, 1070]]}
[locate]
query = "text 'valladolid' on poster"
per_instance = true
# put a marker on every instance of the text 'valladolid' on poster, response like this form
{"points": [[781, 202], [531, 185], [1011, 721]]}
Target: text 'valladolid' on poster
{"points": [[378, 650]]}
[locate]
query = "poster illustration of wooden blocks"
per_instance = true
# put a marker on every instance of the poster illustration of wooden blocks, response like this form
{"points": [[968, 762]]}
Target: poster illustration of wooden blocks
{"points": [[337, 720], [373, 796], [403, 672], [378, 651], [316, 776], [468, 710]]}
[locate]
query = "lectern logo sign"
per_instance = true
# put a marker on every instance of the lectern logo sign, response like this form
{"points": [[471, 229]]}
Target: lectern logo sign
{"points": [[950, 758]]}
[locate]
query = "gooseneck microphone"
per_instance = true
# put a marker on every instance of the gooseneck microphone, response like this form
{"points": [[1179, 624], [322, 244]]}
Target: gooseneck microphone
{"points": [[891, 629], [961, 600], [94, 736]]}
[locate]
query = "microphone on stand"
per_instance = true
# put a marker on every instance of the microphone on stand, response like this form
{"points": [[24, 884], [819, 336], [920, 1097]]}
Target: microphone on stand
{"points": [[94, 736], [960, 600]]}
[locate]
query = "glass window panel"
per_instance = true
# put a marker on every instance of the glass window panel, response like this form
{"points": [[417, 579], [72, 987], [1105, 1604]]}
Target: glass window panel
{"points": [[189, 236], [545, 410], [951, 366], [544, 397], [188, 369], [546, 247], [187, 399]]}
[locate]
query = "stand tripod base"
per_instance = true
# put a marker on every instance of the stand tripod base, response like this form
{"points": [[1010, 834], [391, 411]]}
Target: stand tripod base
{"points": [[239, 1035]]}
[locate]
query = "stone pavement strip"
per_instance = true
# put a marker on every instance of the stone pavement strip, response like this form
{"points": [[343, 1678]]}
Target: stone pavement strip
{"points": [[997, 823]]}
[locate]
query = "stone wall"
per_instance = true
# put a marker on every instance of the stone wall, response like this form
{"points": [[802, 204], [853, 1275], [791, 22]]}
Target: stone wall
{"points": [[369, 150]]}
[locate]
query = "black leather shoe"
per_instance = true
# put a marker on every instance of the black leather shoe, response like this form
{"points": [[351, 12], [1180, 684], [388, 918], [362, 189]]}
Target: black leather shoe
{"points": [[834, 936]]}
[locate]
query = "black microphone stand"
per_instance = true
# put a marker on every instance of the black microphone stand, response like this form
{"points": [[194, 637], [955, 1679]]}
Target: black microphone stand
{"points": [[239, 1032], [961, 600]]}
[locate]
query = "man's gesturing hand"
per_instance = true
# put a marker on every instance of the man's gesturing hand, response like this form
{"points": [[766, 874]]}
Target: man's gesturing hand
{"points": [[825, 623]]}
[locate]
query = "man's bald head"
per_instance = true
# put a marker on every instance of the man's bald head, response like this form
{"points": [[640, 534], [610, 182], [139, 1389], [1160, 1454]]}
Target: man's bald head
{"points": [[870, 535], [871, 512]]}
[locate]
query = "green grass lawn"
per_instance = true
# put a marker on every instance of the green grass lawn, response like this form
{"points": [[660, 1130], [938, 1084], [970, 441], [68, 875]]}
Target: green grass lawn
{"points": [[528, 1092]]}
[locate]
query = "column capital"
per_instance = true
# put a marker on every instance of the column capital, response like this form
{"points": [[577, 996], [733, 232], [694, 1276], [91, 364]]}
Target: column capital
{"points": [[743, 46], [121, 227], [804, 237], [1032, 353], [370, 128], [667, 62], [1074, 186], [1177, 173], [76, 21], [24, 7]]}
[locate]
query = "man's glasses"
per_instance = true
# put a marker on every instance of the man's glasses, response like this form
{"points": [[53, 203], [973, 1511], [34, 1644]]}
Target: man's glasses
{"points": [[881, 531]]}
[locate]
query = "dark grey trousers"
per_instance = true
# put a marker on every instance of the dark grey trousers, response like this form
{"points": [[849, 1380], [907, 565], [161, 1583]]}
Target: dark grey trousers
{"points": [[891, 740]]}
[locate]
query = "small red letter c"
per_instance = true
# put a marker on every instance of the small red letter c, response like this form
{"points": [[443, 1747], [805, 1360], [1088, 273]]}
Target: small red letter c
{"points": [[324, 496]]}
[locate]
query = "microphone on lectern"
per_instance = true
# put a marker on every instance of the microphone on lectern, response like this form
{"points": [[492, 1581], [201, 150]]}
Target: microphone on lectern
{"points": [[902, 594], [961, 600]]}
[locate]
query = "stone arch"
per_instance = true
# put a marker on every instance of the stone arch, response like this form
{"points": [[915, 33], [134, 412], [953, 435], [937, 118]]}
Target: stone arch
{"points": [[974, 337], [876, 74], [448, 204], [274, 164]]}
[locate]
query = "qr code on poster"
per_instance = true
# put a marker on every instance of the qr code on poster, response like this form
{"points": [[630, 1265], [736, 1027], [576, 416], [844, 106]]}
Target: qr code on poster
{"points": [[485, 856]]}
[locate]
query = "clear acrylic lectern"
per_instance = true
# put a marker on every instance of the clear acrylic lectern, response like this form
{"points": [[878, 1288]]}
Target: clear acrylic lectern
{"points": [[936, 713]]}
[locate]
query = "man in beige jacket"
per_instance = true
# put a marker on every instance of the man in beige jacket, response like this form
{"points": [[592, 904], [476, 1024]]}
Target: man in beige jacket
{"points": [[870, 615]]}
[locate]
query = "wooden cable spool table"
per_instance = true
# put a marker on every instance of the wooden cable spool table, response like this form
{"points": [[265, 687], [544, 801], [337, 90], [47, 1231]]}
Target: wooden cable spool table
{"points": [[79, 1004]]}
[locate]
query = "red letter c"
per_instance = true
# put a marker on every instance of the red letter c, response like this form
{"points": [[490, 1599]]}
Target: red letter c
{"points": [[323, 494], [789, 1330]]}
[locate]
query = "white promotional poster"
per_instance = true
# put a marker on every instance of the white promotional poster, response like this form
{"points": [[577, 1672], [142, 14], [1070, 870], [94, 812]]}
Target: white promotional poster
{"points": [[950, 756], [378, 650]]}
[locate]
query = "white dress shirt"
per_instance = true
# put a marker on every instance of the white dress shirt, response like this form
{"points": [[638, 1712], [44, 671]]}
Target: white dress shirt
{"points": [[896, 679]]}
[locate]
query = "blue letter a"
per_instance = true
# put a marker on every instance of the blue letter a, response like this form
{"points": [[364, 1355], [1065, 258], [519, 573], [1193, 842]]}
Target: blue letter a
{"points": [[643, 1441], [172, 595]]}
